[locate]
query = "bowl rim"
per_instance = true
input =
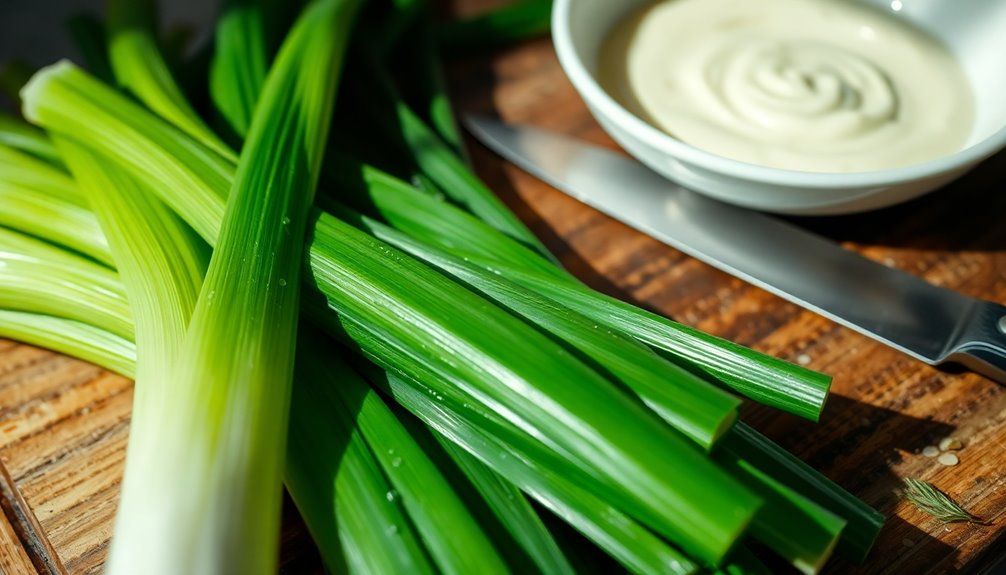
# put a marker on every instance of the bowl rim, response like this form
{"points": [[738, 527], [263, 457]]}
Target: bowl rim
{"points": [[597, 97]]}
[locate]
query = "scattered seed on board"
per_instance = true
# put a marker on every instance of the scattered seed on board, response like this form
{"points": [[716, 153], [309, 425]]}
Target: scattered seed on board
{"points": [[950, 444], [948, 459], [930, 451]]}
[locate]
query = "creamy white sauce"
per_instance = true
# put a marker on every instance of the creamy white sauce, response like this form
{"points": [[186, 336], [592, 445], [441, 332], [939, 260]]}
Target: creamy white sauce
{"points": [[810, 85]]}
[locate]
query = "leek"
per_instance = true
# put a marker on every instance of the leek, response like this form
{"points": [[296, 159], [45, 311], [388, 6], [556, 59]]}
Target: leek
{"points": [[236, 361], [161, 263], [360, 503], [867, 533], [763, 378], [36, 193], [434, 157], [240, 60], [24, 137], [235, 85], [512, 510], [415, 480], [41, 278], [78, 339], [692, 406], [139, 67], [489, 356]]}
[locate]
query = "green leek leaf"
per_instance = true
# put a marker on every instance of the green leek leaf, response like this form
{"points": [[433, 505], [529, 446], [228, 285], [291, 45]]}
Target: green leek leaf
{"points": [[238, 68], [139, 66]]}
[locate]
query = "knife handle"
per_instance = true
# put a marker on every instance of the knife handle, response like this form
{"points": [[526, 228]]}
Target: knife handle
{"points": [[981, 344]]}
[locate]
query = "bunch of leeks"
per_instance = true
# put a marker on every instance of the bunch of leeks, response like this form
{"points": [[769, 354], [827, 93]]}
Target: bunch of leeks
{"points": [[450, 392]]}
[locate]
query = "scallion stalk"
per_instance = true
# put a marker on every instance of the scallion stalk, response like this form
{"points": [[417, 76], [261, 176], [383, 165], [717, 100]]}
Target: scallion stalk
{"points": [[630, 543], [414, 479]]}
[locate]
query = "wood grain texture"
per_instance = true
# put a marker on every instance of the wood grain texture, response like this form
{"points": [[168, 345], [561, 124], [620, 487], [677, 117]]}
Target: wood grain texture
{"points": [[63, 423]]}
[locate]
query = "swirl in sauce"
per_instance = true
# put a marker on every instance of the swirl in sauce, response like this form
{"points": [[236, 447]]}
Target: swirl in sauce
{"points": [[812, 85]]}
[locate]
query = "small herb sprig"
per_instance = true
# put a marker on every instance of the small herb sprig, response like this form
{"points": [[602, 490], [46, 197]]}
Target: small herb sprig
{"points": [[931, 500]]}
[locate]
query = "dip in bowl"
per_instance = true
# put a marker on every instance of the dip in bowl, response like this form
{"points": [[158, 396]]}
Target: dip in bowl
{"points": [[759, 79]]}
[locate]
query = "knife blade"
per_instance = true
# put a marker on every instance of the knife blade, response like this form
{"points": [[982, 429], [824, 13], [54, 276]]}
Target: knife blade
{"points": [[932, 324]]}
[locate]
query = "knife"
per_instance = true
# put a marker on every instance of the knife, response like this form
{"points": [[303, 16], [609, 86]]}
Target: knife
{"points": [[932, 324]]}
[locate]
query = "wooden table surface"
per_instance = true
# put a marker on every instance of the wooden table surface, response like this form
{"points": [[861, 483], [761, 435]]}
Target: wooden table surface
{"points": [[63, 423]]}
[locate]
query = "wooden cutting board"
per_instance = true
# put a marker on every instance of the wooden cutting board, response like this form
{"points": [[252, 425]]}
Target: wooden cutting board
{"points": [[63, 423]]}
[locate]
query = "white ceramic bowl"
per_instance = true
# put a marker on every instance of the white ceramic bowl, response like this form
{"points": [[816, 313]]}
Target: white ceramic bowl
{"points": [[973, 30]]}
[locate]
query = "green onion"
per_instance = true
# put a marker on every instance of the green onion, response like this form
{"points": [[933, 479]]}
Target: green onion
{"points": [[632, 544], [798, 529], [765, 379], [404, 463], [416, 482], [864, 522], [337, 484], [536, 381], [360, 498], [231, 423], [467, 551], [627, 540]]}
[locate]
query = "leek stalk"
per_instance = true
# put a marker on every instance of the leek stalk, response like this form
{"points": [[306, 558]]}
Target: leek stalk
{"points": [[230, 413], [40, 278], [488, 355], [763, 378], [689, 404], [35, 193], [139, 67], [240, 60]]}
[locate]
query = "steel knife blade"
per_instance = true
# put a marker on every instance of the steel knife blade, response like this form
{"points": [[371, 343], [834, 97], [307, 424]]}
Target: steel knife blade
{"points": [[929, 323]]}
